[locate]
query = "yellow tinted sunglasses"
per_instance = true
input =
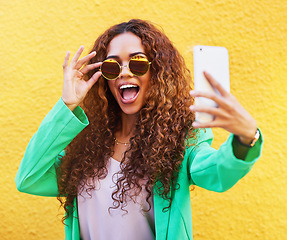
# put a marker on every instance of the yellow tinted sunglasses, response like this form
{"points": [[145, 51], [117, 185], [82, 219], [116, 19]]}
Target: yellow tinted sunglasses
{"points": [[138, 65]]}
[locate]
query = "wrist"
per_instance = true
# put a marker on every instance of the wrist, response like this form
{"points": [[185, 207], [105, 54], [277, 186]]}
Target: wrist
{"points": [[70, 106], [249, 141], [245, 140]]}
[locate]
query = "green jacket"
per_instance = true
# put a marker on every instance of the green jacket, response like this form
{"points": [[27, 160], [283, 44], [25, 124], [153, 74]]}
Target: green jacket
{"points": [[215, 170]]}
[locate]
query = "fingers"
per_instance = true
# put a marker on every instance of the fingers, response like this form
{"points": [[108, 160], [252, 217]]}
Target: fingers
{"points": [[77, 55], [90, 67], [93, 79], [77, 64], [84, 60], [229, 114], [66, 60], [217, 112], [213, 96], [215, 84], [210, 110], [212, 124]]}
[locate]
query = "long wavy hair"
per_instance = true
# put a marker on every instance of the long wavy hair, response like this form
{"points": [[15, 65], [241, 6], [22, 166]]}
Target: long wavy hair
{"points": [[164, 123]]}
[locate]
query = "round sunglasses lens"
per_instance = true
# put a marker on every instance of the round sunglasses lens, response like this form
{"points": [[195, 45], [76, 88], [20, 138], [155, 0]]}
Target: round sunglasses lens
{"points": [[139, 65], [110, 69]]}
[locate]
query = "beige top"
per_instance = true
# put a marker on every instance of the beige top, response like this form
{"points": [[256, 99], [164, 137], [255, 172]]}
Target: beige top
{"points": [[96, 223]]}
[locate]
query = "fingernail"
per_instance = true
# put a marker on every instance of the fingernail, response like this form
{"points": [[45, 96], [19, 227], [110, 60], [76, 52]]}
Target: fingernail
{"points": [[195, 124], [191, 107], [192, 92]]}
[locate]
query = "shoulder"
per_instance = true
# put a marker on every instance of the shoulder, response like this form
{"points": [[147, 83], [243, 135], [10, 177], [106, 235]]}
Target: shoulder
{"points": [[203, 139], [202, 135]]}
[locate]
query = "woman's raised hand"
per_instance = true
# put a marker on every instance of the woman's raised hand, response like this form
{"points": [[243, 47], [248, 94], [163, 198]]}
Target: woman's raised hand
{"points": [[229, 115], [75, 87]]}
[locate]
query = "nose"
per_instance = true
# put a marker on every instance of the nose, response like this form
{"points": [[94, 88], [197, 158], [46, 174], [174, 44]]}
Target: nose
{"points": [[125, 71]]}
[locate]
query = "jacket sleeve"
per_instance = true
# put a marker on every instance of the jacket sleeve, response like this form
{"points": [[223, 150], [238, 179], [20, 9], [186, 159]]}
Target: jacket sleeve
{"points": [[37, 171], [218, 170]]}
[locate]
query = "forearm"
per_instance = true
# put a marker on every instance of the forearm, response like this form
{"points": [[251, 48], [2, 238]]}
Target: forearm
{"points": [[240, 151], [37, 171], [218, 170], [242, 147]]}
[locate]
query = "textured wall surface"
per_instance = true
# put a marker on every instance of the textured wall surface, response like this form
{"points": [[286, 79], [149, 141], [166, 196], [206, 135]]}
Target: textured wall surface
{"points": [[35, 36]]}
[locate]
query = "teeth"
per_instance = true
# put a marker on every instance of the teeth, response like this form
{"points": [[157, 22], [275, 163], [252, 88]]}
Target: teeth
{"points": [[127, 86]]}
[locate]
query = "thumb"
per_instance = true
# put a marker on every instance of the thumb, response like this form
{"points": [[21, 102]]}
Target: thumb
{"points": [[93, 79]]}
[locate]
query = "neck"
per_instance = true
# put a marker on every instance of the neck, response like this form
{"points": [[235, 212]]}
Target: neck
{"points": [[126, 130]]}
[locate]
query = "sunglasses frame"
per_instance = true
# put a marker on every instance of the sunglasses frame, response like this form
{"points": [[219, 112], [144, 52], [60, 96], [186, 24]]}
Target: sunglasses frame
{"points": [[127, 66]]}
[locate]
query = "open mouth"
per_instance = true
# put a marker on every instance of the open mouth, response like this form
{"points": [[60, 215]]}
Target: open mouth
{"points": [[129, 92]]}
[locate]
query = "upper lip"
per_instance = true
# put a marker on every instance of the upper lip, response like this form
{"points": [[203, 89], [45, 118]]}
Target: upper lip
{"points": [[127, 83]]}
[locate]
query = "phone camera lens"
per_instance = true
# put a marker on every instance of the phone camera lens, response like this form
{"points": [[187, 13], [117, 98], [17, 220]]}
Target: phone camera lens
{"points": [[200, 49]]}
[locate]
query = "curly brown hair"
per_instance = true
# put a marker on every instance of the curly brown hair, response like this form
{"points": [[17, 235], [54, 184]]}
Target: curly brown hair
{"points": [[164, 123]]}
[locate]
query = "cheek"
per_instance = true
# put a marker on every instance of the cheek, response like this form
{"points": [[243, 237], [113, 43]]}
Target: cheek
{"points": [[149, 88], [112, 86], [147, 82]]}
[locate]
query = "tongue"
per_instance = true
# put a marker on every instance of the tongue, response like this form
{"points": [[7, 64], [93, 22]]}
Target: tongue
{"points": [[129, 93]]}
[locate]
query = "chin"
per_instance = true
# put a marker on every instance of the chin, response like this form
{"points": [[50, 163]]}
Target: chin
{"points": [[130, 110]]}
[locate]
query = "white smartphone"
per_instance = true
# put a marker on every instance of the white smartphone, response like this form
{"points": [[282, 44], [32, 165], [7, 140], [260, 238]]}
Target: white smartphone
{"points": [[215, 61]]}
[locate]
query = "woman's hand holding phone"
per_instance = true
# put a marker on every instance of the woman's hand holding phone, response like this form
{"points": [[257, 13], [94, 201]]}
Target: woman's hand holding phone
{"points": [[75, 87], [229, 114]]}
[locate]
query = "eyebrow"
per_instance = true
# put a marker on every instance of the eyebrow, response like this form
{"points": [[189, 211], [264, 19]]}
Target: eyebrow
{"points": [[131, 55]]}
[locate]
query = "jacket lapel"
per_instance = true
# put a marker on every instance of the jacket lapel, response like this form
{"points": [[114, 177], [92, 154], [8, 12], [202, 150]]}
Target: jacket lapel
{"points": [[162, 215]]}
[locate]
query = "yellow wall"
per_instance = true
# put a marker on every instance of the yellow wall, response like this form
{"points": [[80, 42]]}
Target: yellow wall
{"points": [[35, 36]]}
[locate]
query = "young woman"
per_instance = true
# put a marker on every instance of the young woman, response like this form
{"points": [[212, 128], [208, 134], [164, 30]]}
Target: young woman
{"points": [[122, 164]]}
